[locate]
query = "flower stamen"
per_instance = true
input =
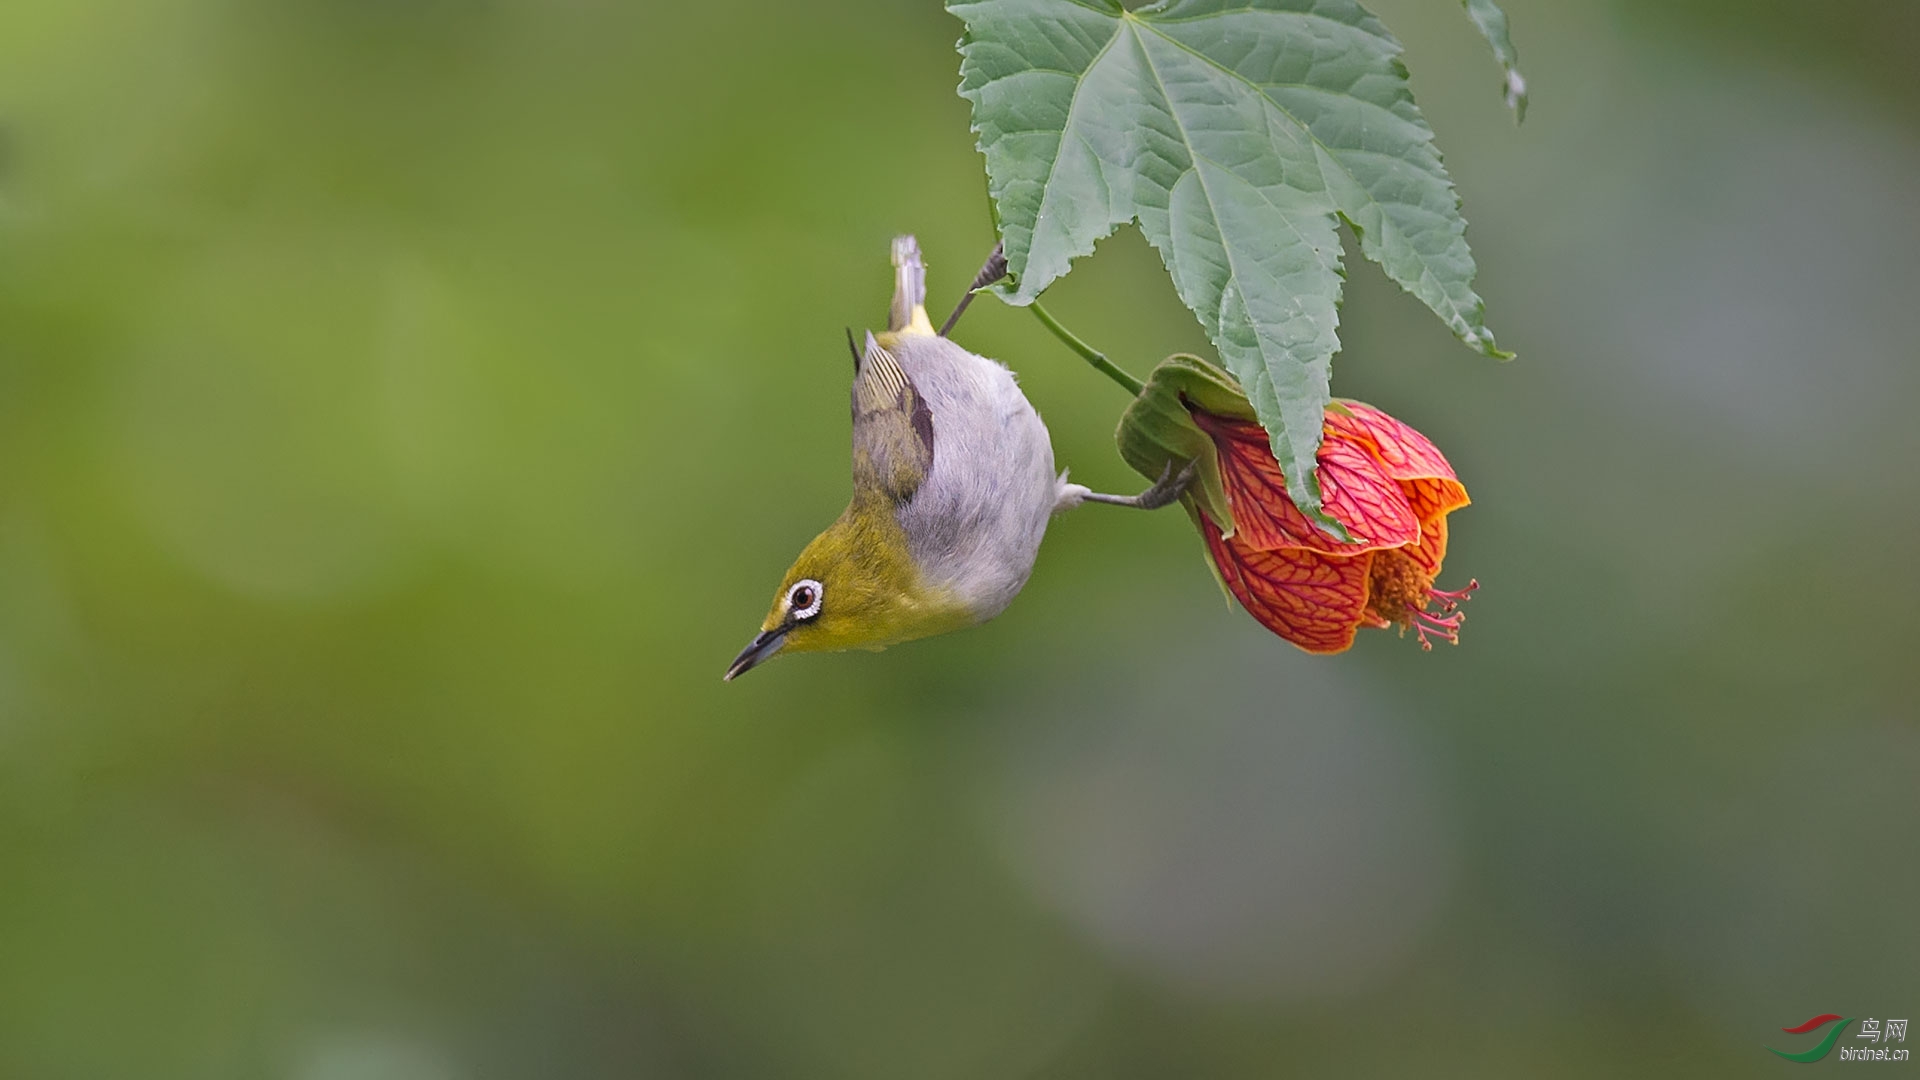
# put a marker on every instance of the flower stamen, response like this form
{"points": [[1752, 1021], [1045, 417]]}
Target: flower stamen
{"points": [[1445, 628], [1452, 599]]}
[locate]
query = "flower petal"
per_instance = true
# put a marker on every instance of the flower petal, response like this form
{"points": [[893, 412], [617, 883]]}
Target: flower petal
{"points": [[1361, 495], [1314, 600], [1354, 487], [1405, 453], [1432, 500]]}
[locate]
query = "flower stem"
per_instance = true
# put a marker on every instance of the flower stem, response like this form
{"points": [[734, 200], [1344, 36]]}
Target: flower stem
{"points": [[1087, 352]]}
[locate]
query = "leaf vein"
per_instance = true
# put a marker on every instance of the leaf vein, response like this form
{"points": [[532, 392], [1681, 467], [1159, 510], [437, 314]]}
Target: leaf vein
{"points": [[1452, 305]]}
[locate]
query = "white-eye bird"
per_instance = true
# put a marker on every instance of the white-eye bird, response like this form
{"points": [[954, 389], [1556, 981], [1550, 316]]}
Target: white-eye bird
{"points": [[953, 485]]}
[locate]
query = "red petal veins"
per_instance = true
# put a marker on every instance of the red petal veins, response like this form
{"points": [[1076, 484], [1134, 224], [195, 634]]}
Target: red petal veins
{"points": [[1361, 496], [1431, 550], [1355, 490], [1220, 427], [1432, 501], [1406, 454], [1313, 600], [1385, 482]]}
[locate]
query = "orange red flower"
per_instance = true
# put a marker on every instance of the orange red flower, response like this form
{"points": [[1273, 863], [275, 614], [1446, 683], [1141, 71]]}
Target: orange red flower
{"points": [[1382, 480]]}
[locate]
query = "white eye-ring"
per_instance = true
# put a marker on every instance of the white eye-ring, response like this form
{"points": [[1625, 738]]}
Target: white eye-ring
{"points": [[803, 600]]}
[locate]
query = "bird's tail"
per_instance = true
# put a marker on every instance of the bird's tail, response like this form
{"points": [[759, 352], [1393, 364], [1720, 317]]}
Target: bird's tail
{"points": [[908, 314]]}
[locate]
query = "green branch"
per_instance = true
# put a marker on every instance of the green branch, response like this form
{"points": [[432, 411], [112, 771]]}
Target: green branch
{"points": [[1087, 352]]}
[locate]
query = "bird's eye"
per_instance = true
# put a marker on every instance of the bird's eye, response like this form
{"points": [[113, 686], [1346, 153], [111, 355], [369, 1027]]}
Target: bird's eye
{"points": [[803, 601]]}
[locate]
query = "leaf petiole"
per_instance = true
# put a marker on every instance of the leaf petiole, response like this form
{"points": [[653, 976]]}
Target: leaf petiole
{"points": [[1087, 352]]}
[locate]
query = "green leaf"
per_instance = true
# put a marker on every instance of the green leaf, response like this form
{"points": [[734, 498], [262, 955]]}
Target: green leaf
{"points": [[1238, 133], [1493, 26]]}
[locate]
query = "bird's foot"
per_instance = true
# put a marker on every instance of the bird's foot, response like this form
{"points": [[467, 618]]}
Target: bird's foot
{"points": [[994, 270], [1164, 491]]}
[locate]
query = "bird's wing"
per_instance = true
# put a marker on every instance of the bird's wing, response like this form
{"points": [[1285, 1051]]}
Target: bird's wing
{"points": [[892, 427]]}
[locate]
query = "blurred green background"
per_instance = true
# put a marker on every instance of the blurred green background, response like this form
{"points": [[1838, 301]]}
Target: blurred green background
{"points": [[407, 408]]}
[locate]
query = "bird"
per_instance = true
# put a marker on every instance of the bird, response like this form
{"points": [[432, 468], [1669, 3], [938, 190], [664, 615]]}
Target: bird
{"points": [[953, 487]]}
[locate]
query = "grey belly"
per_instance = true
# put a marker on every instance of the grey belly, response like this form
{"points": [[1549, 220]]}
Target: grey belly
{"points": [[976, 523]]}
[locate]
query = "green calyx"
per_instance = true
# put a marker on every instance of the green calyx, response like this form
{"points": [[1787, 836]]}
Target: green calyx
{"points": [[1157, 429]]}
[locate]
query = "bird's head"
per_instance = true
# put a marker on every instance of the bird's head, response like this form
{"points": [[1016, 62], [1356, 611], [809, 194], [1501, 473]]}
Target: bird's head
{"points": [[854, 587]]}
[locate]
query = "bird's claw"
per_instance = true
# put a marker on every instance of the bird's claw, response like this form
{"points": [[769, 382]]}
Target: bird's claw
{"points": [[1169, 487]]}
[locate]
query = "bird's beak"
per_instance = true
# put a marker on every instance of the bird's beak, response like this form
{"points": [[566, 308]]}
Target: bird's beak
{"points": [[757, 651]]}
